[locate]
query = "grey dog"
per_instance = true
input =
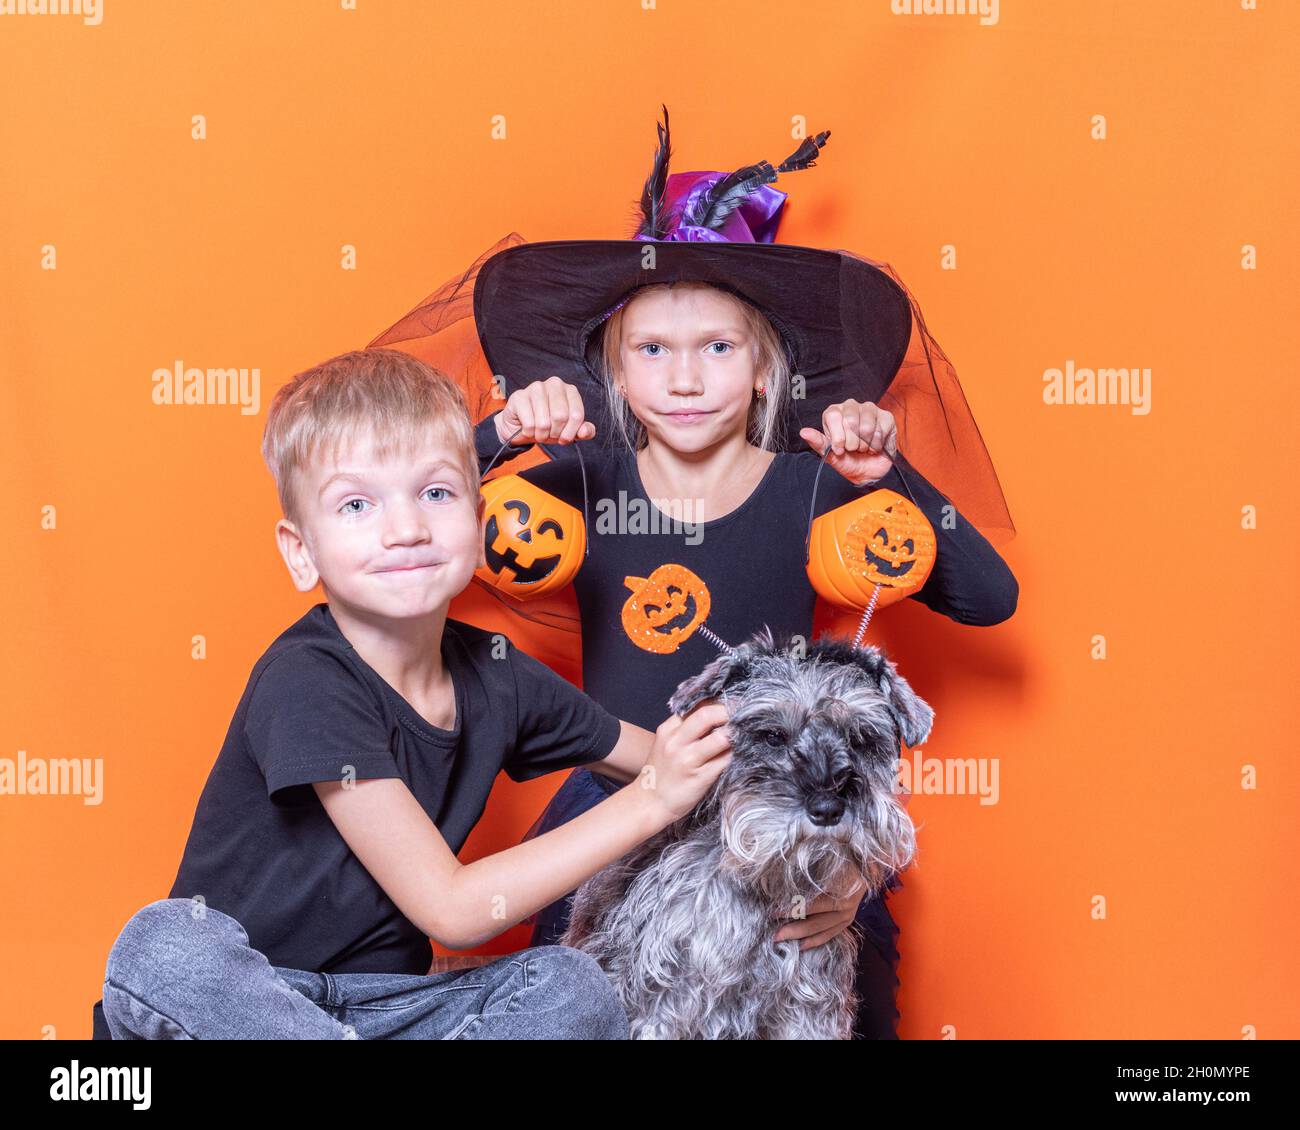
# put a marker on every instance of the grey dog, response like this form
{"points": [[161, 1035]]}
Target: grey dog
{"points": [[683, 924]]}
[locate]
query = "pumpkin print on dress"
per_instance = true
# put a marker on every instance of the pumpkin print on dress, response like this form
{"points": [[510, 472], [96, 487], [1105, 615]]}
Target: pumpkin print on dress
{"points": [[665, 608]]}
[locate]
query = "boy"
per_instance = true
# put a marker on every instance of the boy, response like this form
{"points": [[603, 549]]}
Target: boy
{"points": [[322, 853]]}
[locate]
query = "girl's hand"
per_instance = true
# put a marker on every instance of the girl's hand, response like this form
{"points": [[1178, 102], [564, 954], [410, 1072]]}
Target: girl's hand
{"points": [[863, 439], [549, 411], [826, 916]]}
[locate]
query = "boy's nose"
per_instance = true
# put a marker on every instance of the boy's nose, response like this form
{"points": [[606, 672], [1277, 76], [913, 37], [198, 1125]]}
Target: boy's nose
{"points": [[405, 524]]}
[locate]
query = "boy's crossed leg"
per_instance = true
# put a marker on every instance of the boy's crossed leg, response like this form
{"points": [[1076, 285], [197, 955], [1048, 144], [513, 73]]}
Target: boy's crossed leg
{"points": [[176, 975]]}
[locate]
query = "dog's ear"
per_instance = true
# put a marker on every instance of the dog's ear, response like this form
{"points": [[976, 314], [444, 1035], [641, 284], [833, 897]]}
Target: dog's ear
{"points": [[911, 712], [727, 670], [914, 714]]}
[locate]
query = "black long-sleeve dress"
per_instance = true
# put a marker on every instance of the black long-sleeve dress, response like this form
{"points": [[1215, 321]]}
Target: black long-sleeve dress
{"points": [[751, 561]]}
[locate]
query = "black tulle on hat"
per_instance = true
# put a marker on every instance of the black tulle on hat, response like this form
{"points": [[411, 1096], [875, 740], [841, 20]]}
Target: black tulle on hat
{"points": [[851, 328]]}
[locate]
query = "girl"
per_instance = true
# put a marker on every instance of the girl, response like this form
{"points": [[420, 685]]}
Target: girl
{"points": [[694, 381], [712, 367]]}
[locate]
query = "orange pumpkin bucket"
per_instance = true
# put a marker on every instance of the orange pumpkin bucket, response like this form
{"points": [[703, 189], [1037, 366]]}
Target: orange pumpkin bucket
{"points": [[870, 553], [533, 543]]}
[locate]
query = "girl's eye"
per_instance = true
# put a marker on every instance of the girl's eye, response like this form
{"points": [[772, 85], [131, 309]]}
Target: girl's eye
{"points": [[359, 501], [650, 345], [444, 491], [724, 344]]}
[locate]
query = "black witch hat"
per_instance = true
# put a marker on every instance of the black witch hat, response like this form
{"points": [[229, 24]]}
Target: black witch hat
{"points": [[845, 324], [850, 327]]}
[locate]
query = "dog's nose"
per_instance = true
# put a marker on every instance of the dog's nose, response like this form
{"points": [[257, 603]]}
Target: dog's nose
{"points": [[825, 810]]}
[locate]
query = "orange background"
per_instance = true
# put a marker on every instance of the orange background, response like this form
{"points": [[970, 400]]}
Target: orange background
{"points": [[1119, 777]]}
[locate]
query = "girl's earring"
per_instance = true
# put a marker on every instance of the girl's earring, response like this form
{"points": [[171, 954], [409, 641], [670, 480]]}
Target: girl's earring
{"points": [[762, 392]]}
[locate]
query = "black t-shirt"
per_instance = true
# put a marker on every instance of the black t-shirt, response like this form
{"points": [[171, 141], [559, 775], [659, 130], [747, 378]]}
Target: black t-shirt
{"points": [[262, 847], [751, 562]]}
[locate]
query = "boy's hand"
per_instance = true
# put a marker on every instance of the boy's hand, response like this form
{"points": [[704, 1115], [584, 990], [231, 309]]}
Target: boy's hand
{"points": [[549, 411], [863, 439], [825, 917], [688, 756]]}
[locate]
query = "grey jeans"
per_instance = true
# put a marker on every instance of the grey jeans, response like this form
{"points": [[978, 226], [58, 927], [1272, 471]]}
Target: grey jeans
{"points": [[173, 974]]}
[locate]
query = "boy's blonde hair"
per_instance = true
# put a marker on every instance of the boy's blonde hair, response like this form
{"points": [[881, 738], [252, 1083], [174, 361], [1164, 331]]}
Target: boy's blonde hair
{"points": [[766, 413], [388, 395]]}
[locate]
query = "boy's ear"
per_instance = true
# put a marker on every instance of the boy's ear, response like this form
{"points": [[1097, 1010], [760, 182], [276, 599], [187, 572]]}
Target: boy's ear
{"points": [[482, 533], [297, 555]]}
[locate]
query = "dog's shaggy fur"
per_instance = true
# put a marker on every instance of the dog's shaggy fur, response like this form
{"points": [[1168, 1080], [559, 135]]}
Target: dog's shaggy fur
{"points": [[683, 924]]}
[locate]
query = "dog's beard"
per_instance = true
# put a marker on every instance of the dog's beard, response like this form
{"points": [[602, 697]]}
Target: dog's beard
{"points": [[684, 925], [771, 845]]}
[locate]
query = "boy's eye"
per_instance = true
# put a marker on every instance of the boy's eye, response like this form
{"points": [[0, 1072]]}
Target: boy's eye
{"points": [[444, 492], [345, 508]]}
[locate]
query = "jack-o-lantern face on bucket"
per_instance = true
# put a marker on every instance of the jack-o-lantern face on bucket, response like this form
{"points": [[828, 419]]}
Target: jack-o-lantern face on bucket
{"points": [[532, 542], [881, 539], [889, 554], [664, 608]]}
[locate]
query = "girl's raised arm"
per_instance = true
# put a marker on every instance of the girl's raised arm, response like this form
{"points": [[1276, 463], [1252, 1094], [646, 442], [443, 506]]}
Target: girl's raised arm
{"points": [[487, 443], [545, 411]]}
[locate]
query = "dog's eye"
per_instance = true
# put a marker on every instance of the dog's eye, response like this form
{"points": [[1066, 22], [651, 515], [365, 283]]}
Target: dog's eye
{"points": [[867, 742], [771, 737]]}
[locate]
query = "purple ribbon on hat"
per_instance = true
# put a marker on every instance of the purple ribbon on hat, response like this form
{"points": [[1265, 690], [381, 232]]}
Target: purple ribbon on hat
{"points": [[754, 221]]}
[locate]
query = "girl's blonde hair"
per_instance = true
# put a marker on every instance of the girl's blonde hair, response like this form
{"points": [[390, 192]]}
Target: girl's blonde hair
{"points": [[385, 394], [766, 413]]}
